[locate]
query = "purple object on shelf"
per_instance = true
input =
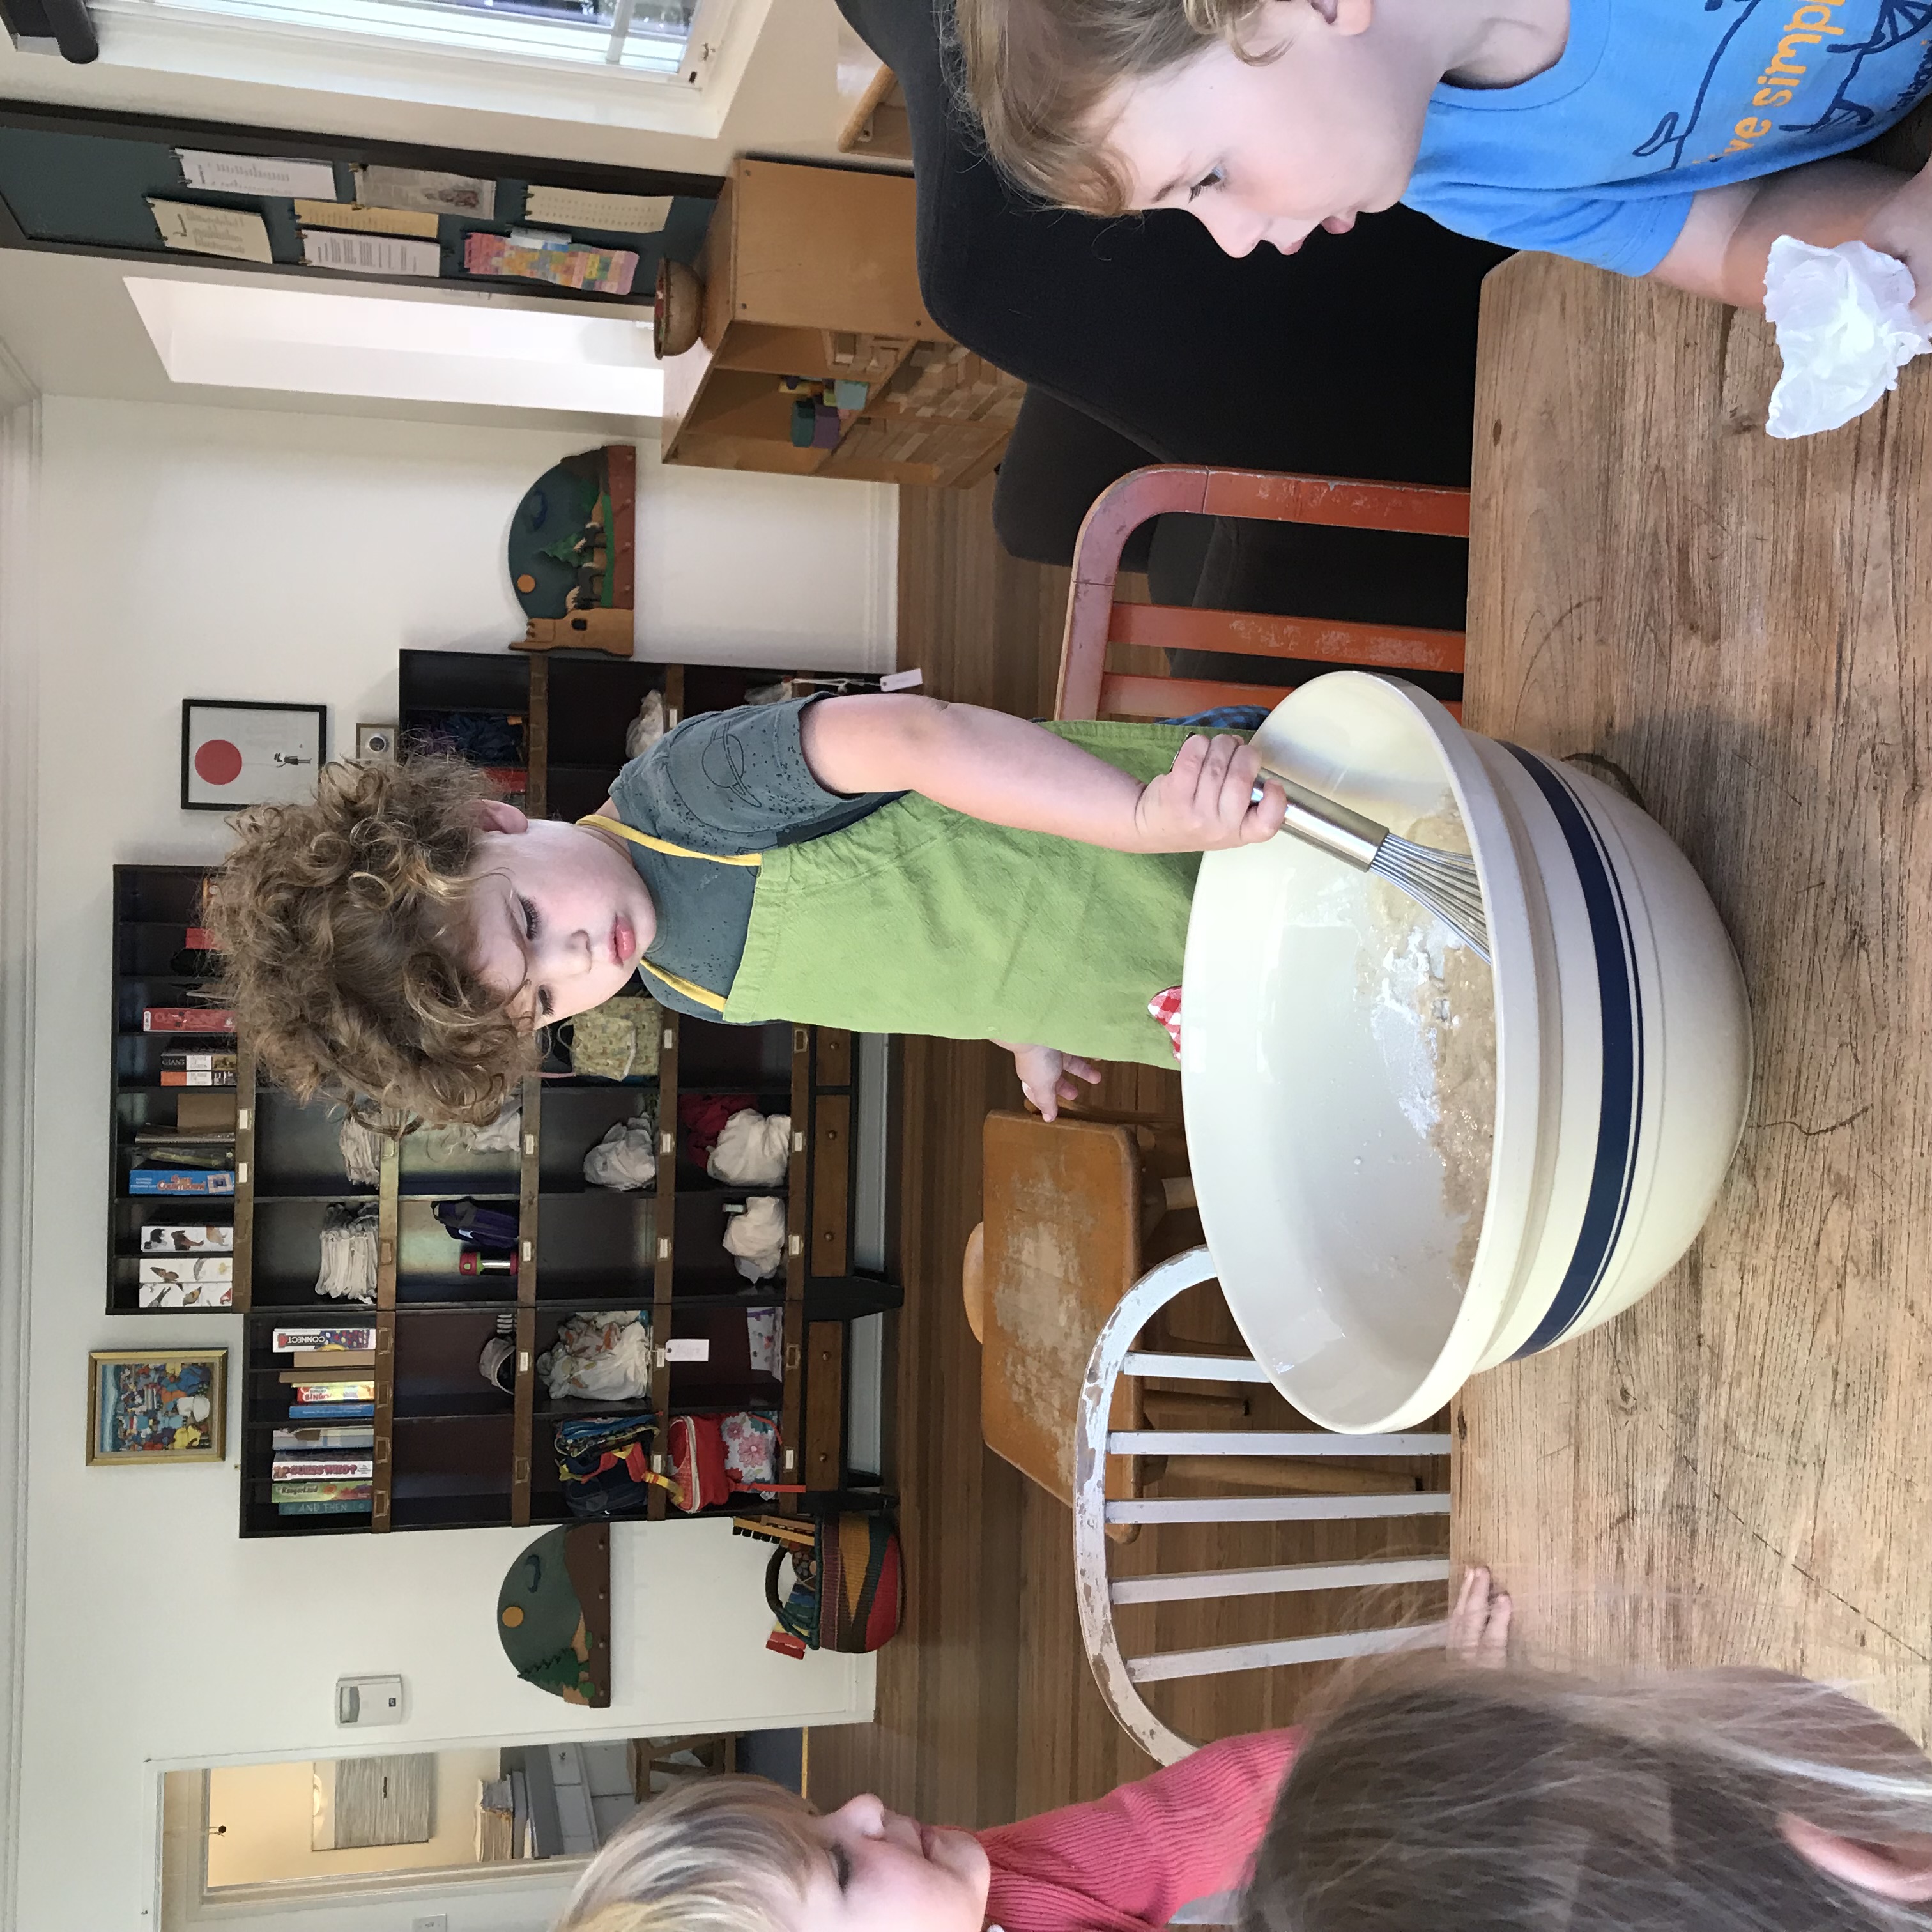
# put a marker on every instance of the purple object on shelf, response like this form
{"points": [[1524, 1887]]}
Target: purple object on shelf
{"points": [[826, 428]]}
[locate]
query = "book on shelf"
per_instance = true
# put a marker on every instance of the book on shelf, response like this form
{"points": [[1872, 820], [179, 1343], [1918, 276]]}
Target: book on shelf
{"points": [[323, 1466], [216, 1060], [317, 1338], [187, 1019], [181, 1180], [188, 1076], [187, 1238], [210, 1137], [320, 1490], [335, 1388], [315, 1411], [195, 1154], [331, 1506], [202, 1109], [308, 1363], [198, 939], [186, 1268], [186, 1294], [341, 1436]]}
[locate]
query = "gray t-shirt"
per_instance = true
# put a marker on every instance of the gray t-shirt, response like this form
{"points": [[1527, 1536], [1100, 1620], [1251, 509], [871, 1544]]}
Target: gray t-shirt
{"points": [[727, 782]]}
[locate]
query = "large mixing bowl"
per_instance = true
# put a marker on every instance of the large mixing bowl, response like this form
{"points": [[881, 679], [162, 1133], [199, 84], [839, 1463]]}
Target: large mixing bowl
{"points": [[1622, 1068]]}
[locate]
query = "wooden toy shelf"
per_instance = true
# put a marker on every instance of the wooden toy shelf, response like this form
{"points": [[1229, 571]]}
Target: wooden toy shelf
{"points": [[809, 272]]}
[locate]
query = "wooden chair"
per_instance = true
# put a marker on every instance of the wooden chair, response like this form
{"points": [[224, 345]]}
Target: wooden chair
{"points": [[1094, 620], [1100, 1508]]}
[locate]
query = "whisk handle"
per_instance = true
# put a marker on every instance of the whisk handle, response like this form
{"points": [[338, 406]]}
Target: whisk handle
{"points": [[1333, 828]]}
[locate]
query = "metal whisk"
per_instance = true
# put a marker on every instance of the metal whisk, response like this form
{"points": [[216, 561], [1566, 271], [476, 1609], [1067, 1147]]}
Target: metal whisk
{"points": [[1444, 882]]}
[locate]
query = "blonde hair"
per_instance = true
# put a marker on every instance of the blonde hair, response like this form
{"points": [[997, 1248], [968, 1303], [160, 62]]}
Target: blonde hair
{"points": [[713, 1855], [1037, 74], [341, 920], [1444, 1799]]}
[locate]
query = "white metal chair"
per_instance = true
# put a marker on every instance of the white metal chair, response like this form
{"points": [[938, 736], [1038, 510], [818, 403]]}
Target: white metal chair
{"points": [[1114, 1354]]}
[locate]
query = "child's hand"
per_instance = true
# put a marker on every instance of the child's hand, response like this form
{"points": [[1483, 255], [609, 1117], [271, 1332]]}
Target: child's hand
{"points": [[1901, 225], [1479, 1624], [1047, 1077], [1206, 803]]}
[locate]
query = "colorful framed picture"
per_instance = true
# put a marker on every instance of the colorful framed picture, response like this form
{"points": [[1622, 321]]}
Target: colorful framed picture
{"points": [[235, 754], [148, 1405]]}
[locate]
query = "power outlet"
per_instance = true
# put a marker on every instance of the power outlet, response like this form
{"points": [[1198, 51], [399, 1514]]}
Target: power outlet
{"points": [[438, 1922]]}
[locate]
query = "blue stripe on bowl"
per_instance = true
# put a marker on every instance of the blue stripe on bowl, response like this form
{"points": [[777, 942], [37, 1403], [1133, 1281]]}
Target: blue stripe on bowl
{"points": [[1614, 1176]]}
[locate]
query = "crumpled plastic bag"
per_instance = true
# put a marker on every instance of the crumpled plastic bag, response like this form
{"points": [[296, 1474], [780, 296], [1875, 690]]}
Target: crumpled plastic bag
{"points": [[1845, 328], [756, 1238], [753, 1150], [626, 1157]]}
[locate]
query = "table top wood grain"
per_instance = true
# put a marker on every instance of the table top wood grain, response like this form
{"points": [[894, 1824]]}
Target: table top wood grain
{"points": [[1738, 1470]]}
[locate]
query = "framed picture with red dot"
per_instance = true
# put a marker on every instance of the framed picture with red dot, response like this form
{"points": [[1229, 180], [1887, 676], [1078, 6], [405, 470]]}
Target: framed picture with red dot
{"points": [[235, 754]]}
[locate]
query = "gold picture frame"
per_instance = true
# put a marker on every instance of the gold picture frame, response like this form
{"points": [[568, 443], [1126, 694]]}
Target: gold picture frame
{"points": [[157, 1405]]}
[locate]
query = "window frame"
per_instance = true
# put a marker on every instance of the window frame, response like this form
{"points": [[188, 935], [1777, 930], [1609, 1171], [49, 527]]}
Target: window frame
{"points": [[275, 45]]}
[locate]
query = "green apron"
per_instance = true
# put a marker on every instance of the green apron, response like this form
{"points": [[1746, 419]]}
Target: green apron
{"points": [[919, 919]]}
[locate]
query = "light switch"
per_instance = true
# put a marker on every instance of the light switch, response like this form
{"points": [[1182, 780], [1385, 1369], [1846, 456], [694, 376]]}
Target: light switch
{"points": [[363, 1701]]}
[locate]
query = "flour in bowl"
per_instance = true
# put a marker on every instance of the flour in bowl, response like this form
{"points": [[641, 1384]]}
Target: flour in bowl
{"points": [[1433, 1014]]}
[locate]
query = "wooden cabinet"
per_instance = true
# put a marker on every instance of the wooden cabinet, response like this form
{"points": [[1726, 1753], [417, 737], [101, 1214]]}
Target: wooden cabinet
{"points": [[450, 1449], [809, 274]]}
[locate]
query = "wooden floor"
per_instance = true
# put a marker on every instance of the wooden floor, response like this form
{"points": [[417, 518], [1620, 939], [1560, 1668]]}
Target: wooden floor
{"points": [[987, 1711]]}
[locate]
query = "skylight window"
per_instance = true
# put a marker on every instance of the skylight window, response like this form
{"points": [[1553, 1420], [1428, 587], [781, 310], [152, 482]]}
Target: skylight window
{"points": [[231, 334], [650, 37]]}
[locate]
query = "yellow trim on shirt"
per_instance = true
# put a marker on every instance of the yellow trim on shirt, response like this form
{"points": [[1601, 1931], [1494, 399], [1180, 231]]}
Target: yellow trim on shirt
{"points": [[690, 988], [638, 837]]}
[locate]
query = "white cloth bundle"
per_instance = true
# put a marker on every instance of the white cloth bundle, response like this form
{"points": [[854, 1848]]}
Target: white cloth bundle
{"points": [[626, 1157], [753, 1150], [606, 1357], [1845, 328], [756, 1238]]}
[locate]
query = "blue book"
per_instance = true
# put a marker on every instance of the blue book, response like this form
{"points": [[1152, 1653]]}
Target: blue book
{"points": [[179, 1180], [316, 1412], [333, 1508]]}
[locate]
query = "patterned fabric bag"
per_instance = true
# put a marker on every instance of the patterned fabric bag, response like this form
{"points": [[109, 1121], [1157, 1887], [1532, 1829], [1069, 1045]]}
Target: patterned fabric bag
{"points": [[849, 1594], [604, 1462], [620, 1040]]}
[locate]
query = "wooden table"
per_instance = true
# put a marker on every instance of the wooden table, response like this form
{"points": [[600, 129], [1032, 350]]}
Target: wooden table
{"points": [[1739, 1469]]}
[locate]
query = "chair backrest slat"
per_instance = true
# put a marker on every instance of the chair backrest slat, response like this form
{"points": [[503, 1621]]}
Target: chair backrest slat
{"points": [[1268, 1442], [1166, 1665], [1180, 627], [1279, 1579], [1175, 1368], [1277, 1509]]}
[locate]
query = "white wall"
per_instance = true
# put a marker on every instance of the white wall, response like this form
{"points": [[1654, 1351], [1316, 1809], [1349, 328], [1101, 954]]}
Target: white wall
{"points": [[190, 550]]}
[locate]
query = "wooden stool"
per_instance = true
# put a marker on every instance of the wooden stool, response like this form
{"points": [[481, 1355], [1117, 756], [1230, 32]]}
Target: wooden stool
{"points": [[1071, 1206]]}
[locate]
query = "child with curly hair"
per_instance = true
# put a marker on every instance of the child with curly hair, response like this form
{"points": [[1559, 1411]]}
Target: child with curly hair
{"points": [[1648, 136], [883, 863]]}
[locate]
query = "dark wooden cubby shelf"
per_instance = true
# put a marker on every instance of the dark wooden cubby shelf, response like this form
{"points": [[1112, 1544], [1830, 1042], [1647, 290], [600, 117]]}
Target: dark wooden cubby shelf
{"points": [[450, 1451]]}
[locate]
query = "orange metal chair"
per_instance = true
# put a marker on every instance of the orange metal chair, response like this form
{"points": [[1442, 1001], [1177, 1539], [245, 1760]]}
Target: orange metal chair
{"points": [[1094, 620]]}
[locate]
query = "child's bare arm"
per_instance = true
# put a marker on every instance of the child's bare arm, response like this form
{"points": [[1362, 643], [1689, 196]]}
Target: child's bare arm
{"points": [[1009, 772], [1723, 249]]}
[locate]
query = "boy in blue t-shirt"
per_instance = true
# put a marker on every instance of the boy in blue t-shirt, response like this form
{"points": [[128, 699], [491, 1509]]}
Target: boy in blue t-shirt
{"points": [[1672, 138]]}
